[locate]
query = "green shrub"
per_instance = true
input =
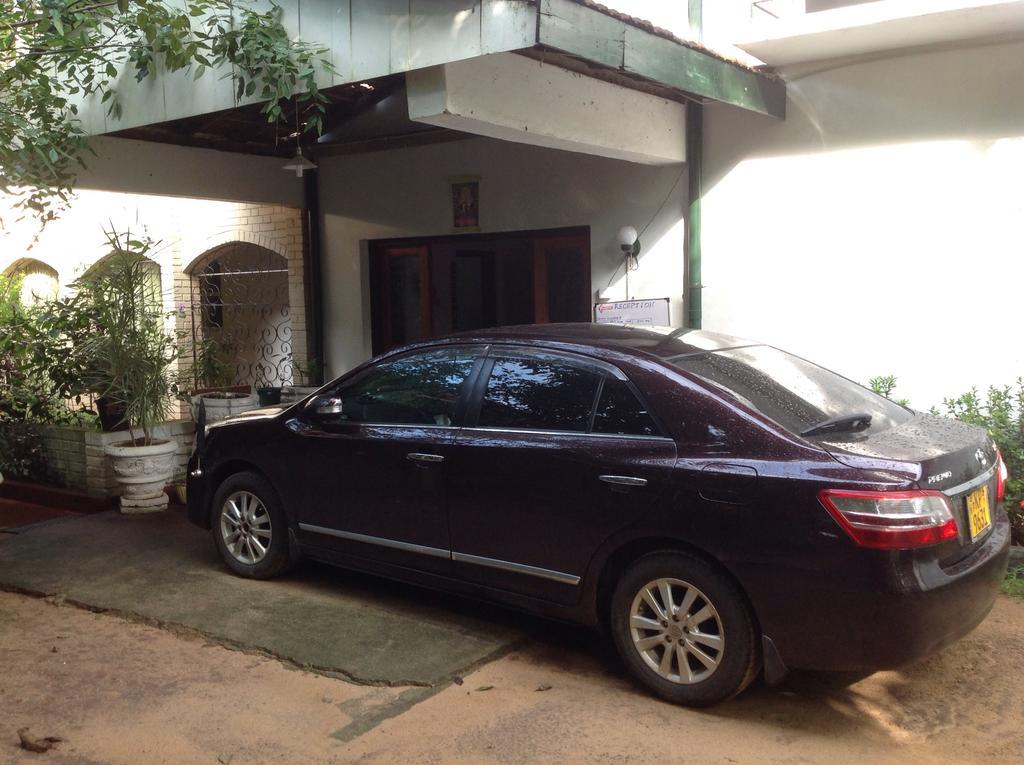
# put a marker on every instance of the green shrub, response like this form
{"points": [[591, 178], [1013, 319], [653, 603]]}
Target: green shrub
{"points": [[1013, 584], [22, 452], [884, 385], [1001, 412], [27, 396]]}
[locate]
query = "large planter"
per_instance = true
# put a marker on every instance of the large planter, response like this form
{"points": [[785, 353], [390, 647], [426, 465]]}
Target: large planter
{"points": [[224, 404], [142, 472], [270, 396]]}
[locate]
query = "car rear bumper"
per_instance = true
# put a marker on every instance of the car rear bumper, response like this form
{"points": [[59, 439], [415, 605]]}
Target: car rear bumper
{"points": [[906, 609]]}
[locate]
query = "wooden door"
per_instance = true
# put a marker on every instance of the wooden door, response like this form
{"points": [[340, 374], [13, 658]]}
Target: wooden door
{"points": [[561, 278], [405, 295]]}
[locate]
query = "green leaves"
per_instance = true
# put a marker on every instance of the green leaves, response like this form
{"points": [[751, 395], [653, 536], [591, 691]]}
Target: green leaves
{"points": [[53, 53], [1000, 411]]}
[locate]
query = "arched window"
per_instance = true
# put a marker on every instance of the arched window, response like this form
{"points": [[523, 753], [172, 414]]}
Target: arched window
{"points": [[39, 281], [239, 314], [150, 291]]}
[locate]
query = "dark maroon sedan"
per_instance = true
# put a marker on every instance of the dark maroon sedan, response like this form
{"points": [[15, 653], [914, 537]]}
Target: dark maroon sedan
{"points": [[718, 506]]}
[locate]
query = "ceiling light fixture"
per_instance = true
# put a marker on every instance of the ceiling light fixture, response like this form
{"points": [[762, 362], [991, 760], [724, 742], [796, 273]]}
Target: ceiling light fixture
{"points": [[299, 164]]}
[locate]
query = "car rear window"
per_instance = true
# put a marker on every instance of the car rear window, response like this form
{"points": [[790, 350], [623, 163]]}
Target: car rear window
{"points": [[539, 393], [619, 412], [789, 390]]}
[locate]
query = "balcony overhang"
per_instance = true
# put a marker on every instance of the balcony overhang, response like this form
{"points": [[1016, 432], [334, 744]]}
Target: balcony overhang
{"points": [[519, 99], [879, 27], [386, 42]]}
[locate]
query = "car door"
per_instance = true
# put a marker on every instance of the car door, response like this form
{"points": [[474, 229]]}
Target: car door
{"points": [[376, 462], [558, 453]]}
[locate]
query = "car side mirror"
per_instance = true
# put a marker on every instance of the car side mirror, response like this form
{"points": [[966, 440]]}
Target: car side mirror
{"points": [[325, 405]]}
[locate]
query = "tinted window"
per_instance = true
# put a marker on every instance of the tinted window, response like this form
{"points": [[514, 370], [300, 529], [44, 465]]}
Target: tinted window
{"points": [[420, 389], [620, 411], [539, 393], [795, 393]]}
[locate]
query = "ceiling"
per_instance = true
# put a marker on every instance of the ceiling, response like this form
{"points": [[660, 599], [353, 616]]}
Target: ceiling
{"points": [[360, 117]]}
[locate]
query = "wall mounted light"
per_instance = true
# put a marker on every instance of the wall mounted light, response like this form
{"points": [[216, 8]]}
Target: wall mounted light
{"points": [[628, 240], [299, 164]]}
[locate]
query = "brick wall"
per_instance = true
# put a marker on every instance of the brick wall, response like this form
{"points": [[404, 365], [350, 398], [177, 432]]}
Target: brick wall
{"points": [[275, 228], [76, 454]]}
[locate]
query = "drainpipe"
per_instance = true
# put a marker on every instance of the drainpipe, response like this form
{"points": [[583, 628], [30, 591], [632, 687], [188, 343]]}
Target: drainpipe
{"points": [[695, 171], [314, 269], [695, 160]]}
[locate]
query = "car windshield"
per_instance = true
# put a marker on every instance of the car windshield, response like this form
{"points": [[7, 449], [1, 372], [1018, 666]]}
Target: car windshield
{"points": [[795, 393]]}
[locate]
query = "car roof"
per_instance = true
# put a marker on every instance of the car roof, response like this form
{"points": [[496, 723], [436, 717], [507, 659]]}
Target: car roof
{"points": [[662, 342]]}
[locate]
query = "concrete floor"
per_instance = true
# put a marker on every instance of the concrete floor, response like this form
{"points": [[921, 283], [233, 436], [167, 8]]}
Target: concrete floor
{"points": [[194, 665], [163, 570]]}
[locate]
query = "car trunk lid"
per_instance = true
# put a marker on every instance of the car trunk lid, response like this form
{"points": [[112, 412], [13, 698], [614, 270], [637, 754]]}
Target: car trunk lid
{"points": [[935, 453]]}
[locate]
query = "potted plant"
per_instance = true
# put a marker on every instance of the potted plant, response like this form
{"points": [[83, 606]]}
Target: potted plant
{"points": [[308, 374], [269, 395], [212, 377], [60, 352], [131, 353], [180, 492]]}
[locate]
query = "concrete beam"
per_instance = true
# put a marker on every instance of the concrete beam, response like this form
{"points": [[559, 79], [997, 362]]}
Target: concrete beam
{"points": [[514, 98]]}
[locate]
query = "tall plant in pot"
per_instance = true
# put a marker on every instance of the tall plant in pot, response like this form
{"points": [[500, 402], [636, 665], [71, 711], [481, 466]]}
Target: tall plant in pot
{"points": [[307, 375], [212, 377], [132, 352]]}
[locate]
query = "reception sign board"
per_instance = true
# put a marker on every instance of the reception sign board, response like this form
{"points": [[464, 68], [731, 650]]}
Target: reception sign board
{"points": [[643, 313]]}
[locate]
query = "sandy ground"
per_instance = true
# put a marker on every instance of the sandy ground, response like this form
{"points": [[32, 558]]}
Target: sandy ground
{"points": [[121, 692]]}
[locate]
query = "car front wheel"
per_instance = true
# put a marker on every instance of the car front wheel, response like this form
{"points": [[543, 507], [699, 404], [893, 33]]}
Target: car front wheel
{"points": [[249, 527], [683, 629]]}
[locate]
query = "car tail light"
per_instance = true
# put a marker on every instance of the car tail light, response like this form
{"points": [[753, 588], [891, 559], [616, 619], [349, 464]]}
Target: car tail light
{"points": [[1001, 475], [892, 520]]}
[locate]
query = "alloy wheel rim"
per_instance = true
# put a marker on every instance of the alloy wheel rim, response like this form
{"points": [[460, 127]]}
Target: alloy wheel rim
{"points": [[677, 631], [245, 527]]}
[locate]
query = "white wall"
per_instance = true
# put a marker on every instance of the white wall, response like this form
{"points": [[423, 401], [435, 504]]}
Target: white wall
{"points": [[142, 167], [878, 229], [405, 192], [76, 239]]}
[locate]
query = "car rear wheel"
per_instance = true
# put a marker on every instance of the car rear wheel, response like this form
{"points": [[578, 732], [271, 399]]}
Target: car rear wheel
{"points": [[249, 527], [683, 629]]}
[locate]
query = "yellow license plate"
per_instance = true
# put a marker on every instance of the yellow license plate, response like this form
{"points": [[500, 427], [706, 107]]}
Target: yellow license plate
{"points": [[978, 513]]}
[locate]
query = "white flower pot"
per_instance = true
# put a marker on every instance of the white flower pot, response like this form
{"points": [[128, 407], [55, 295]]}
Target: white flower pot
{"points": [[142, 472], [218, 408]]}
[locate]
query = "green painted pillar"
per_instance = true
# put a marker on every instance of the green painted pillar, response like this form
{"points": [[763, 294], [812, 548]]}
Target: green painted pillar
{"points": [[695, 170], [695, 162], [695, 15]]}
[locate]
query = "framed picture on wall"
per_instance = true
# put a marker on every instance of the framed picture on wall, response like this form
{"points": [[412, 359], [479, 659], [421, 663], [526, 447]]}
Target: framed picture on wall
{"points": [[465, 190]]}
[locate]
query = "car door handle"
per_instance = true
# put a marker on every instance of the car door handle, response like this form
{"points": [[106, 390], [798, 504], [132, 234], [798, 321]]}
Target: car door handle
{"points": [[426, 458], [623, 480]]}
